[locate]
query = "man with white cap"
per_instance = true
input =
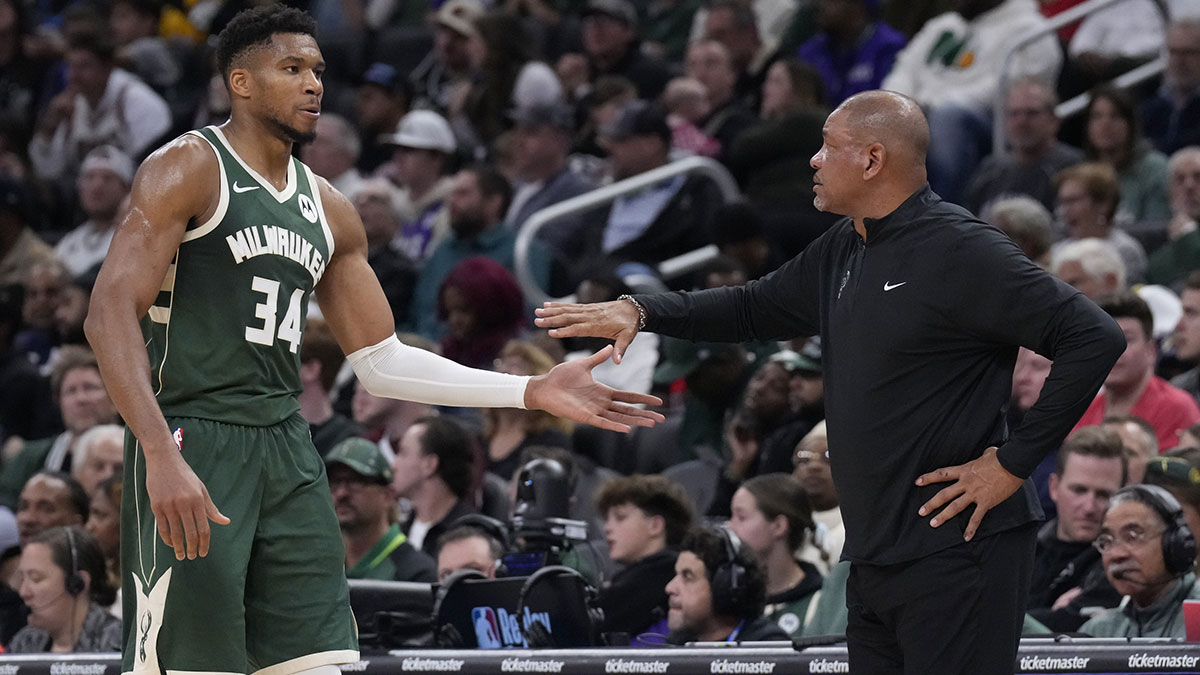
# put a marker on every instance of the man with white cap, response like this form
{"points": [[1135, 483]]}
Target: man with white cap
{"points": [[423, 156], [104, 180], [439, 74]]}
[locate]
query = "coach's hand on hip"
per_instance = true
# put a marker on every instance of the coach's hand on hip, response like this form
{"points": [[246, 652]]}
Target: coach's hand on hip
{"points": [[616, 320], [181, 505], [982, 482]]}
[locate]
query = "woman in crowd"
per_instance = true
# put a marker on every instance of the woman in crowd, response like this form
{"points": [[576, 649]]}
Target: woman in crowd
{"points": [[508, 431], [770, 159], [482, 307], [507, 76], [64, 583], [1088, 195], [1113, 137], [104, 523], [772, 516]]}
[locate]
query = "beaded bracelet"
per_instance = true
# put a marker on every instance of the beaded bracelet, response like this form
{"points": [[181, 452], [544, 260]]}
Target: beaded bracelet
{"points": [[640, 310]]}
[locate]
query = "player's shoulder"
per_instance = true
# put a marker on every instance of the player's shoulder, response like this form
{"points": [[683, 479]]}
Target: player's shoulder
{"points": [[180, 157]]}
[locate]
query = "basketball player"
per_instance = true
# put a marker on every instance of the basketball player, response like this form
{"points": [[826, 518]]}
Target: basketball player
{"points": [[226, 238]]}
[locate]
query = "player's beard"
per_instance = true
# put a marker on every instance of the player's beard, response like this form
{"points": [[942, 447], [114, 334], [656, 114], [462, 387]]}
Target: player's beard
{"points": [[292, 133]]}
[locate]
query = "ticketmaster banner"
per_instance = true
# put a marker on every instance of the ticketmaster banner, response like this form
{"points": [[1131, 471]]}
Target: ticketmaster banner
{"points": [[1047, 657]]}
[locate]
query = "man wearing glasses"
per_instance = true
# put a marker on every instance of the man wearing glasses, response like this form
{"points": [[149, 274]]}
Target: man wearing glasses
{"points": [[1149, 556]]}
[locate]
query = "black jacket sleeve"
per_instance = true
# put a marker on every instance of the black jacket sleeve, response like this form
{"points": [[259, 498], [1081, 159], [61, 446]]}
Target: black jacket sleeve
{"points": [[1040, 312]]}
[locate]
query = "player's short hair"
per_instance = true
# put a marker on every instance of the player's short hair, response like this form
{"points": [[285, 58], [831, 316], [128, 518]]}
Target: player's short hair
{"points": [[253, 28]]}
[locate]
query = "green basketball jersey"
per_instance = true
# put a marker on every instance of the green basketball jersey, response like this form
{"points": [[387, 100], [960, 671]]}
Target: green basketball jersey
{"points": [[224, 333]]}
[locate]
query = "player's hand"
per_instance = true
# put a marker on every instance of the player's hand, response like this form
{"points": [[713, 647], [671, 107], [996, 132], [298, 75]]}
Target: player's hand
{"points": [[569, 391], [616, 321], [982, 482], [181, 505]]}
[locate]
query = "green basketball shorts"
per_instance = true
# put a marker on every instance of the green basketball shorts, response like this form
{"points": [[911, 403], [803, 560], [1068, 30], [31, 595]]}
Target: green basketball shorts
{"points": [[271, 596]]}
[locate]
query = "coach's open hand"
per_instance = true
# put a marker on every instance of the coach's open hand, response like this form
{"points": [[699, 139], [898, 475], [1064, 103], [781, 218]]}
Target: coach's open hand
{"points": [[568, 390], [982, 482], [616, 320]]}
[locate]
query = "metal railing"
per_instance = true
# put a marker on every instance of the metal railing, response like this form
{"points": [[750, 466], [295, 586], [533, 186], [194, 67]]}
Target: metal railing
{"points": [[1076, 104], [668, 269]]}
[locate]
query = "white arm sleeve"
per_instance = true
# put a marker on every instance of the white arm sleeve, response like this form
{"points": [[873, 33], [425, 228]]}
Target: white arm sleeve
{"points": [[396, 370]]}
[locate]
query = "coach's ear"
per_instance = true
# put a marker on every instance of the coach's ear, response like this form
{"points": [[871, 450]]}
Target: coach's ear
{"points": [[874, 157]]}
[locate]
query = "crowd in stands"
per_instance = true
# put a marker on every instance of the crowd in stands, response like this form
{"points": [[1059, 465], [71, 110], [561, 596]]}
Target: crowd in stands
{"points": [[450, 123]]}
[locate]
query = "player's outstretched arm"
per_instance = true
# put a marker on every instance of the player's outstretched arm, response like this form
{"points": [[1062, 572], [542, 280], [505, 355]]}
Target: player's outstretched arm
{"points": [[173, 186], [358, 314]]}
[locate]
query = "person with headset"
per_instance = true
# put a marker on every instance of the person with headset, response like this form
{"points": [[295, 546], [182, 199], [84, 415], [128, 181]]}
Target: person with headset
{"points": [[64, 583], [473, 542], [1149, 555], [718, 592]]}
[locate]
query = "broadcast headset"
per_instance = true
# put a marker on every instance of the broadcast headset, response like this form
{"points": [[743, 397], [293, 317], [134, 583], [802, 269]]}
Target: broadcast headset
{"points": [[1178, 544], [74, 581], [727, 579], [490, 528], [534, 632]]}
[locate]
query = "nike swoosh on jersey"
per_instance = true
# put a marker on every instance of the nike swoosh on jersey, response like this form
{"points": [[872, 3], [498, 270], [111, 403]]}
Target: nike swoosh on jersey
{"points": [[889, 286], [239, 189]]}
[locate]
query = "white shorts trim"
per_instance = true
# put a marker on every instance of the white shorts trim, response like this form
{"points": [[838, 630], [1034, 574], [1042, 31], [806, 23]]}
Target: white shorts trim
{"points": [[330, 658]]}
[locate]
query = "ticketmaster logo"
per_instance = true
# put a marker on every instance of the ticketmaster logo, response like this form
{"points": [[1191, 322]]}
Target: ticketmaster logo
{"points": [[1162, 661], [441, 665], [724, 666], [626, 666], [355, 667], [77, 669], [827, 666], [1054, 662], [9, 670], [531, 666]]}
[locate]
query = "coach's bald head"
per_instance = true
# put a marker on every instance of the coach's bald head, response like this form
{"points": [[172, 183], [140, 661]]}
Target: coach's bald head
{"points": [[873, 157], [890, 119]]}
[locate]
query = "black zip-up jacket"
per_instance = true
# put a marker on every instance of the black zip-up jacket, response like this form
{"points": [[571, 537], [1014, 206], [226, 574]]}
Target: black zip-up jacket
{"points": [[919, 328]]}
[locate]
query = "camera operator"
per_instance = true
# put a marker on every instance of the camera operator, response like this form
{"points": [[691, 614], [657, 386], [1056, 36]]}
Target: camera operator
{"points": [[645, 520], [718, 592]]}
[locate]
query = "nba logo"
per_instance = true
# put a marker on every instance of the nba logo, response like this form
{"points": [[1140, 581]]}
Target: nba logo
{"points": [[487, 630]]}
